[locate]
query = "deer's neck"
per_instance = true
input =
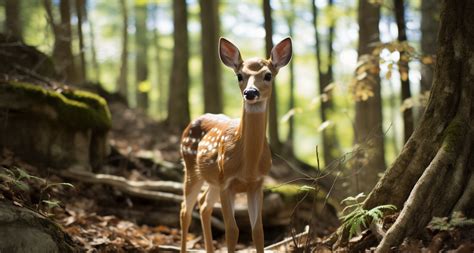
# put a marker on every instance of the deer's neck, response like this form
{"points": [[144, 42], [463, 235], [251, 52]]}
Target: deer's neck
{"points": [[252, 131]]}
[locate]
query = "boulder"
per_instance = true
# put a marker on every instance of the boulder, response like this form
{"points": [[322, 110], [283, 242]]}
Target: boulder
{"points": [[59, 129], [22, 230]]}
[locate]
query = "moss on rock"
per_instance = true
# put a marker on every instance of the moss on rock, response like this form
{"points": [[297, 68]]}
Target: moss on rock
{"points": [[75, 109]]}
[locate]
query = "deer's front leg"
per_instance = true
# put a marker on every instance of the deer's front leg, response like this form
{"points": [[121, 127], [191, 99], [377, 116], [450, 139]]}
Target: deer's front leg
{"points": [[255, 200], [231, 229]]}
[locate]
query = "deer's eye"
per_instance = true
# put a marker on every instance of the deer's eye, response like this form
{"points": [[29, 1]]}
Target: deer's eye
{"points": [[240, 77], [267, 77]]}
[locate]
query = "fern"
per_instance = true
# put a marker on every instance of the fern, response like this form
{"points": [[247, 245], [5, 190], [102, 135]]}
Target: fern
{"points": [[357, 219]]}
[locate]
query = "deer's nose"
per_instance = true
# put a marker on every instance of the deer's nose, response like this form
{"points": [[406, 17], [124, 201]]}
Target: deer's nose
{"points": [[251, 94]]}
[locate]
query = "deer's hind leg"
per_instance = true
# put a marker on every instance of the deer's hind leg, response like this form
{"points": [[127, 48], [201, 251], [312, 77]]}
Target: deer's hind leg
{"points": [[208, 200], [192, 187]]}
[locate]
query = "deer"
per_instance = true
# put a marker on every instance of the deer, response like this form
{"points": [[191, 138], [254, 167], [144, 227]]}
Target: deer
{"points": [[232, 155]]}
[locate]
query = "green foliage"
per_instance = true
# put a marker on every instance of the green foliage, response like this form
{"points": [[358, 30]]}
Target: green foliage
{"points": [[76, 109], [457, 220], [21, 180], [360, 218], [17, 178]]}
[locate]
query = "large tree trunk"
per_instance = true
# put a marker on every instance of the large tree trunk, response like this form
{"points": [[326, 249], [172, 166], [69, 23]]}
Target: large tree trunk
{"points": [[13, 22], [143, 86], [369, 136], [275, 143], [211, 70], [122, 81], [429, 31], [408, 123], [433, 175], [178, 99], [325, 77], [80, 6]]}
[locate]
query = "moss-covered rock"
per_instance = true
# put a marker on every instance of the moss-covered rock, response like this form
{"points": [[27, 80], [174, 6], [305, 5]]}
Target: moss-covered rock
{"points": [[76, 109], [57, 129]]}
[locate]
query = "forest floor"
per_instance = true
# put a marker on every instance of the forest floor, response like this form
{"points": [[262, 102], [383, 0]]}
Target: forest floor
{"points": [[99, 218]]}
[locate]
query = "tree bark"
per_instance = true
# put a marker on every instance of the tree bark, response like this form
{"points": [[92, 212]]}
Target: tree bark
{"points": [[159, 71], [211, 70], [178, 99], [80, 6], [408, 121], [62, 50], [429, 30], [369, 136], [289, 145], [13, 21], [143, 86], [95, 62], [325, 77], [274, 139], [122, 81], [433, 175]]}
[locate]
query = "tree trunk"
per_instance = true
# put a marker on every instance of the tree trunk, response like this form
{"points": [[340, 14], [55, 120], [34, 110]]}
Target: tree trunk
{"points": [[13, 22], [408, 123], [434, 174], [211, 70], [95, 62], [80, 6], [159, 66], [275, 143], [290, 20], [369, 136], [325, 77], [122, 81], [62, 50], [143, 86], [178, 99], [429, 31]]}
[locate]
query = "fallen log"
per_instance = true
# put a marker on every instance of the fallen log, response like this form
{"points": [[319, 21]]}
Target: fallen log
{"points": [[159, 190]]}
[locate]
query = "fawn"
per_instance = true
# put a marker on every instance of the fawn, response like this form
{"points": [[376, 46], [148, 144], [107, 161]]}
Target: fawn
{"points": [[232, 155]]}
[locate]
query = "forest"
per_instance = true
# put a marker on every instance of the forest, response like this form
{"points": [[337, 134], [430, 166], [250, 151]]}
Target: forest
{"points": [[349, 126]]}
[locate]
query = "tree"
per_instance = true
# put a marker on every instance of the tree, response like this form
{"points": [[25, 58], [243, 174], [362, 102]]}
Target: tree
{"points": [[275, 143], [408, 121], [122, 81], [433, 176], [429, 31], [94, 61], [62, 50], [159, 65], [13, 22], [141, 64], [325, 78], [80, 6], [211, 70], [290, 20], [368, 123], [178, 99]]}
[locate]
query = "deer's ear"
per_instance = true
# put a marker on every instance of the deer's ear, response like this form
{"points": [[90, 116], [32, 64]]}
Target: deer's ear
{"points": [[229, 54], [281, 53]]}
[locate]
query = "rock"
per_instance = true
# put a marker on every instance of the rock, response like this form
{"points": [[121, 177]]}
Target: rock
{"points": [[22, 230], [59, 130]]}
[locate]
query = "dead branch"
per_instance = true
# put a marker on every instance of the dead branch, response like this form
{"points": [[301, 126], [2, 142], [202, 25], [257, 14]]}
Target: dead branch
{"points": [[161, 190]]}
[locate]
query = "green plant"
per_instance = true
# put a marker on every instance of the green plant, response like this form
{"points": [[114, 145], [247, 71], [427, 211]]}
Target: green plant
{"points": [[20, 179], [457, 220], [359, 218]]}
